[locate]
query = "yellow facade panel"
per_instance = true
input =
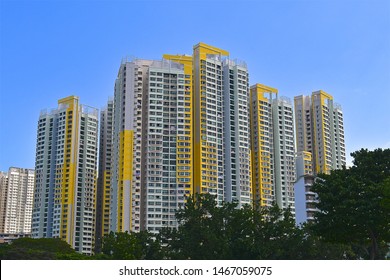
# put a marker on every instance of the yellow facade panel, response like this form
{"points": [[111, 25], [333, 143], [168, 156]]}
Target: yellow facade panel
{"points": [[126, 142], [205, 49], [69, 168], [261, 176]]}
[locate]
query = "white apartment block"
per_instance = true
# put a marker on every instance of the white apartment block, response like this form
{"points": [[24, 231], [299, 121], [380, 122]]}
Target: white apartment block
{"points": [[66, 159], [273, 150], [125, 204], [16, 200], [209, 157], [3, 198], [166, 158], [157, 162], [103, 191], [221, 126], [320, 147], [320, 130], [284, 152], [237, 139]]}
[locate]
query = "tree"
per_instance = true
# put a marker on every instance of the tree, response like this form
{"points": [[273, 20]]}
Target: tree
{"points": [[131, 246], [201, 232], [209, 232], [38, 249], [354, 204]]}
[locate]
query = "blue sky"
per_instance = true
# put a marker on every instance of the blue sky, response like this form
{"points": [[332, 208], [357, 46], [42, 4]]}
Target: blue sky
{"points": [[52, 49]]}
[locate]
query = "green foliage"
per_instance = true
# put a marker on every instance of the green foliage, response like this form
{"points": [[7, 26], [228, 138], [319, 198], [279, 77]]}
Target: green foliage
{"points": [[38, 249], [203, 230], [321, 249], [207, 231], [131, 246], [354, 204], [210, 232]]}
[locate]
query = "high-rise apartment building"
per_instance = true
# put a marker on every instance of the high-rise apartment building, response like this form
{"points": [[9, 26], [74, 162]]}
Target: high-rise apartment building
{"points": [[3, 198], [208, 154], [16, 200], [157, 162], [65, 188], [320, 130], [320, 147], [181, 125], [284, 152], [273, 166], [167, 154], [126, 167], [237, 153], [262, 143], [103, 189], [221, 126]]}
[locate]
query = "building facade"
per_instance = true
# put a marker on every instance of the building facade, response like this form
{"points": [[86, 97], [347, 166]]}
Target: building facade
{"points": [[237, 152], [103, 189], [262, 143], [125, 204], [272, 130], [208, 91], [320, 131], [3, 198], [65, 188], [221, 126], [284, 152], [161, 150], [181, 125], [167, 175], [320, 147], [305, 199], [16, 200]]}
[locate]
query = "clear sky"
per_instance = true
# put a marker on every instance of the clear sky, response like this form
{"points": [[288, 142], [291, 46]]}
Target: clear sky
{"points": [[52, 49]]}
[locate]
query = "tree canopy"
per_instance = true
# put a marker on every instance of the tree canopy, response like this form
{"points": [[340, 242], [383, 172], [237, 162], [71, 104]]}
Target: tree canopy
{"points": [[207, 231], [131, 246], [210, 232], [354, 204], [38, 249]]}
